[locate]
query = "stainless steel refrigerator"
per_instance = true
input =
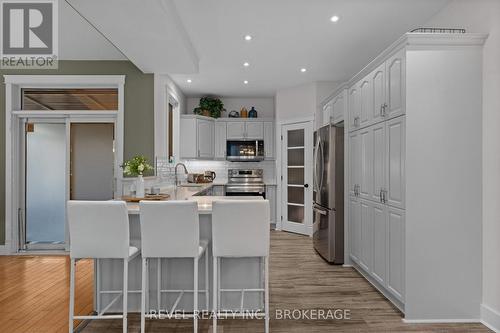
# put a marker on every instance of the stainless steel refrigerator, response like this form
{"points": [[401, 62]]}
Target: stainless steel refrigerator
{"points": [[328, 194]]}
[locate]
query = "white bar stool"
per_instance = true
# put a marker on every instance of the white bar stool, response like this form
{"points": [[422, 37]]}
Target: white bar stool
{"points": [[98, 230], [240, 228], [170, 229]]}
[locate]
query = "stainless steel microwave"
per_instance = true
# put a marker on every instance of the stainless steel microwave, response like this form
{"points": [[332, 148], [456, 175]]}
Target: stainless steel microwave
{"points": [[245, 151]]}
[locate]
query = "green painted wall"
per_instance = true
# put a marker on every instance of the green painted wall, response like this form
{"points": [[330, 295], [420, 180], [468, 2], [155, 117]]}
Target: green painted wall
{"points": [[139, 110]]}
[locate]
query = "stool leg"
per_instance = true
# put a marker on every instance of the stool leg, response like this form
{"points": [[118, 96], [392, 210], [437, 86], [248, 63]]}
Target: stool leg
{"points": [[158, 285], [266, 296], [195, 296], [207, 306], [125, 294], [214, 296], [143, 294], [71, 294], [98, 285], [219, 275]]}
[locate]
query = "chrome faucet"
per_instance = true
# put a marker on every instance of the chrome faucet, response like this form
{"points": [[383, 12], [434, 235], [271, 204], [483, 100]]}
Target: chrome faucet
{"points": [[177, 181]]}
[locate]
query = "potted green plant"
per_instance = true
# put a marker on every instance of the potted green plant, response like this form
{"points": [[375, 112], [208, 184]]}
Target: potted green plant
{"points": [[136, 167], [210, 106]]}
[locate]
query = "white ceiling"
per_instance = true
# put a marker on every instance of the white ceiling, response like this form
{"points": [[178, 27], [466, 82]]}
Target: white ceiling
{"points": [[289, 35], [78, 40], [149, 33]]}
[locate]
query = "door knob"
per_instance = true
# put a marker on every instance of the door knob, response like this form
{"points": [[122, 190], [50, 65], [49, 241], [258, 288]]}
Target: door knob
{"points": [[306, 185]]}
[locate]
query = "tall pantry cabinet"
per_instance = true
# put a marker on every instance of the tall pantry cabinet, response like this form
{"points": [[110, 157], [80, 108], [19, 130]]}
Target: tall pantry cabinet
{"points": [[408, 112]]}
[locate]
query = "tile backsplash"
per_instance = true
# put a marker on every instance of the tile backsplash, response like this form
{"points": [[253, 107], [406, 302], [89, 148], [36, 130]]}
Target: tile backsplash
{"points": [[166, 172], [221, 167]]}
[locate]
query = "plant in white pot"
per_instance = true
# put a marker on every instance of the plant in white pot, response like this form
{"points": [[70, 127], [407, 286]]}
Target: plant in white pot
{"points": [[136, 167]]}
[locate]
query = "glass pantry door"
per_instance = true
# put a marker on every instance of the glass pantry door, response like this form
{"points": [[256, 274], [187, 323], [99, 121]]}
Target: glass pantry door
{"points": [[296, 186]]}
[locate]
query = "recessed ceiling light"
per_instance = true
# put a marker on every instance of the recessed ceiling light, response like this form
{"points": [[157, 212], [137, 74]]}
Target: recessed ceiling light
{"points": [[248, 37], [303, 70], [189, 80], [246, 64], [245, 82], [334, 18]]}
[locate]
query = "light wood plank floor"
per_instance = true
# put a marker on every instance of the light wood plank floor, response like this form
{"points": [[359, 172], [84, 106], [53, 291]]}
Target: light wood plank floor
{"points": [[300, 279], [34, 293], [34, 297]]}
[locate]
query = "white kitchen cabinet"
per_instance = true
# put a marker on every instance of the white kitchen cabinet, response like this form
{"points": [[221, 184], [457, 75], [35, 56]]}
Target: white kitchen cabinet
{"points": [[235, 130], [245, 130], [379, 267], [205, 134], [254, 130], [354, 108], [377, 78], [197, 137], [339, 104], [366, 102], [379, 163], [269, 140], [327, 113], [354, 229], [396, 252], [271, 196], [366, 225], [354, 162], [366, 163], [395, 90], [220, 140], [395, 162]]}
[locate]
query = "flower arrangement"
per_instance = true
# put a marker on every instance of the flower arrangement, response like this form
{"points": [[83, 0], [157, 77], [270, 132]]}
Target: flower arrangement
{"points": [[136, 166]]}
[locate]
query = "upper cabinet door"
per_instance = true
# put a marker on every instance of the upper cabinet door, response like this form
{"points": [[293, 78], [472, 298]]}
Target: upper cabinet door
{"points": [[354, 108], [254, 130], [327, 113], [235, 130], [205, 138], [377, 78], [338, 108], [220, 139], [366, 107], [269, 140], [354, 162], [395, 159], [378, 135], [395, 80], [366, 167]]}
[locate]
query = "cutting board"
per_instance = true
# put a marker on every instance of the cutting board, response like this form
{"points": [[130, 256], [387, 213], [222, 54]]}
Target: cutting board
{"points": [[148, 197]]}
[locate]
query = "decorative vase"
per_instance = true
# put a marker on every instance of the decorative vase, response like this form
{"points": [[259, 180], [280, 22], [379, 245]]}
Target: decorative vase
{"points": [[252, 113], [139, 187]]}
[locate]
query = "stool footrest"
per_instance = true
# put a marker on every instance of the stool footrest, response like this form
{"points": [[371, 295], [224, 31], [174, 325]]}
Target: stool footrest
{"points": [[98, 317]]}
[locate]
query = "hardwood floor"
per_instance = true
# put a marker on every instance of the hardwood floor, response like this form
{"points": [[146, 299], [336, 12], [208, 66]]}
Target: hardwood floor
{"points": [[301, 280], [34, 293], [34, 297]]}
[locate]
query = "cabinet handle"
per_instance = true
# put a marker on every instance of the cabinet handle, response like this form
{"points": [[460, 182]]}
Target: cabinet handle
{"points": [[380, 195], [384, 196], [199, 153], [383, 109], [381, 113]]}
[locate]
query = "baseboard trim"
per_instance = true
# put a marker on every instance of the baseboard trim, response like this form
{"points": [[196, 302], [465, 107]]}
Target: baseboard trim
{"points": [[438, 321], [5, 250], [347, 265], [490, 318]]}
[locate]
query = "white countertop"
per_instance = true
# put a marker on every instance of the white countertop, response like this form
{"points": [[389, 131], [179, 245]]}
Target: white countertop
{"points": [[187, 193]]}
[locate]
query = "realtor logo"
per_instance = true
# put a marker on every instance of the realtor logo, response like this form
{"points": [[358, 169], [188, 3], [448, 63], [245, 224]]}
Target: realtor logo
{"points": [[29, 34]]}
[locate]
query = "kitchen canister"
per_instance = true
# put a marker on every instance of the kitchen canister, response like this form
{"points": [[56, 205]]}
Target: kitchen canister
{"points": [[243, 112]]}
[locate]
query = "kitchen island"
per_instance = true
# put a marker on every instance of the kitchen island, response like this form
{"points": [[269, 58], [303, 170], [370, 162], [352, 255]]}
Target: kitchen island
{"points": [[177, 274]]}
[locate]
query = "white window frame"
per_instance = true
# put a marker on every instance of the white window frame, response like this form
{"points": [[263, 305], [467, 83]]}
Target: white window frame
{"points": [[14, 116]]}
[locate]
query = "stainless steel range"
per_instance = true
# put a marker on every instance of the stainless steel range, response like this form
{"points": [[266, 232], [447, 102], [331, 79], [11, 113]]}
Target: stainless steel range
{"points": [[245, 182]]}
